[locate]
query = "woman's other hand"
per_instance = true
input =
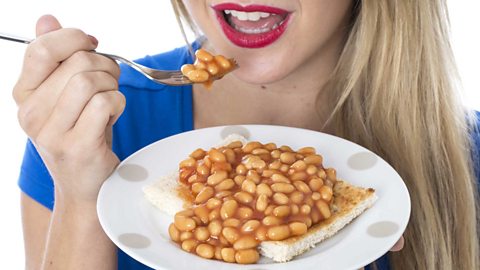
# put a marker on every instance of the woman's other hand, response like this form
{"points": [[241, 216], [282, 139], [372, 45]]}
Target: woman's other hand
{"points": [[68, 101]]}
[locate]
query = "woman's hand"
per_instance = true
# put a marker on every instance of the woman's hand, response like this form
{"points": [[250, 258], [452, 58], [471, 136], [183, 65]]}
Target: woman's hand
{"points": [[399, 245], [68, 101]]}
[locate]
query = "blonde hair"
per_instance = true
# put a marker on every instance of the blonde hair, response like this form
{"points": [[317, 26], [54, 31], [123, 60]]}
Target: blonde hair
{"points": [[395, 93]]}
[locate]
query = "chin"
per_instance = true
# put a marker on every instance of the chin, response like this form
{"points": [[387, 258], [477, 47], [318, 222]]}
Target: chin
{"points": [[258, 76]]}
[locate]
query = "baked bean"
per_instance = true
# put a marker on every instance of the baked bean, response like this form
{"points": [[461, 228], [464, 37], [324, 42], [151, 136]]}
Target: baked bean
{"points": [[223, 62], [299, 165], [198, 75], [217, 177], [298, 228], [284, 168], [247, 256], [305, 209], [250, 225], [228, 255], [185, 213], [202, 213], [294, 209], [187, 68], [261, 233], [286, 148], [215, 227], [331, 174], [245, 242], [216, 156], [239, 179], [212, 68], [280, 198], [189, 162], [205, 251], [203, 55], [231, 222], [313, 159], [324, 209], [326, 193], [262, 202], [302, 176], [270, 146], [297, 197], [283, 187], [259, 164], [189, 245], [315, 184], [226, 184], [243, 197], [281, 211], [264, 189], [287, 158], [214, 214], [260, 151], [271, 221], [316, 196], [231, 234], [235, 144], [307, 151], [311, 170], [269, 210], [185, 236], [184, 224], [174, 232], [322, 174], [230, 155], [203, 170], [315, 215], [301, 186], [218, 253], [276, 154], [278, 233], [228, 209], [223, 194], [205, 194], [201, 233], [213, 203], [244, 212], [193, 179], [253, 176], [268, 173], [280, 178], [250, 146], [249, 186], [198, 154], [241, 169], [197, 187]]}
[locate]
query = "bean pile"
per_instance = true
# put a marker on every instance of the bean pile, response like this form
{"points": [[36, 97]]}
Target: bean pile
{"points": [[207, 67], [245, 194]]}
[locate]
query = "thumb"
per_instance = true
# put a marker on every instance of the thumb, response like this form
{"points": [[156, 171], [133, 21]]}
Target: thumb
{"points": [[47, 23]]}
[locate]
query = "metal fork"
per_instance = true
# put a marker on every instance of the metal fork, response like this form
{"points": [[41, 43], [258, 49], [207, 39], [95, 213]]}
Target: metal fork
{"points": [[169, 77]]}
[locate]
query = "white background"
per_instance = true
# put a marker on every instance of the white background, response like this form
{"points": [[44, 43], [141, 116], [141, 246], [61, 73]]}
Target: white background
{"points": [[134, 30]]}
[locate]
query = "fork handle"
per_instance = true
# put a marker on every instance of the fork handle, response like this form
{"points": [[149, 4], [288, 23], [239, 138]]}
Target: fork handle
{"points": [[11, 37]]}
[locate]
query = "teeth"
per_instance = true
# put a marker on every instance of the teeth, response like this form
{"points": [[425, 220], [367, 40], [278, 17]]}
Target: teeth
{"points": [[247, 16]]}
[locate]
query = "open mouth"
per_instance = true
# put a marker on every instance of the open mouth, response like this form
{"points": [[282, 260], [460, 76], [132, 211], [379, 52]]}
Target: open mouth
{"points": [[252, 26]]}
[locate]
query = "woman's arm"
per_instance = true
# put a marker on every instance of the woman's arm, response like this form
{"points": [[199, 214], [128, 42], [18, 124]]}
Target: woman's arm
{"points": [[63, 239]]}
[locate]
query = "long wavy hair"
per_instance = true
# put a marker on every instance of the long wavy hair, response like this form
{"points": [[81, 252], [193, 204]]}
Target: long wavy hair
{"points": [[395, 90]]}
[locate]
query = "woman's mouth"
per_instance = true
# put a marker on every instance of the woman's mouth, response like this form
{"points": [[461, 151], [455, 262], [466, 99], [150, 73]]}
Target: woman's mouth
{"points": [[252, 26]]}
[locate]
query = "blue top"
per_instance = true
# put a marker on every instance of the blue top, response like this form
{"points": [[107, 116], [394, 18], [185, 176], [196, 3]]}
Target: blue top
{"points": [[153, 111]]}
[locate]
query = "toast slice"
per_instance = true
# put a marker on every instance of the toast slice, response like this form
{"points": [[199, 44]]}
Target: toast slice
{"points": [[348, 203]]}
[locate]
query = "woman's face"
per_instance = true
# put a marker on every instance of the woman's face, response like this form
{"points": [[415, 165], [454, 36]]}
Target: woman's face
{"points": [[272, 39]]}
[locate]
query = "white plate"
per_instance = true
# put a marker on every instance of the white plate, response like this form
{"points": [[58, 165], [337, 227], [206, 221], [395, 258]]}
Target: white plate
{"points": [[140, 230]]}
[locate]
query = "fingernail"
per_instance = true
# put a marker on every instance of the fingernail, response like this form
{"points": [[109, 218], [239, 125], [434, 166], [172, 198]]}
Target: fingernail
{"points": [[93, 40]]}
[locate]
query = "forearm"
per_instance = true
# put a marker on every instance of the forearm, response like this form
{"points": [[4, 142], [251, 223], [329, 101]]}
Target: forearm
{"points": [[76, 239]]}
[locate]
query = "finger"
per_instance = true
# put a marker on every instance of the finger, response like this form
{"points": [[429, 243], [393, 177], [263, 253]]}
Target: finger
{"points": [[102, 111], [47, 23], [45, 54], [399, 245], [34, 112], [77, 94]]}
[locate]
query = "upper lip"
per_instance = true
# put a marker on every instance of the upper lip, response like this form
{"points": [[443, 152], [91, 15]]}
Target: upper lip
{"points": [[249, 8]]}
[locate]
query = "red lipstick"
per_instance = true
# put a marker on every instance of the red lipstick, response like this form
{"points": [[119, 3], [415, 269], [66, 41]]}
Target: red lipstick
{"points": [[252, 33]]}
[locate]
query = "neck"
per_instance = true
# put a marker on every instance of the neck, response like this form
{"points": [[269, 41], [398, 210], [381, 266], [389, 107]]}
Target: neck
{"points": [[296, 100]]}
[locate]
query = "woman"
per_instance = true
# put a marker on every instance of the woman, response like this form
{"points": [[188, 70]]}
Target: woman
{"points": [[379, 73]]}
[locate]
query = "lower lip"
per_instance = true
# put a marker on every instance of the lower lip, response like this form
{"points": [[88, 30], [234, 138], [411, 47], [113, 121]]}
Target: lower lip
{"points": [[251, 41]]}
